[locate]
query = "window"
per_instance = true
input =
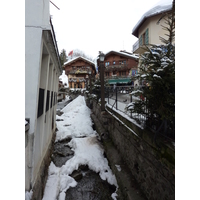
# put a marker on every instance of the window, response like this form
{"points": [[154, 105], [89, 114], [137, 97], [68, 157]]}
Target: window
{"points": [[107, 63], [40, 102], [47, 100]]}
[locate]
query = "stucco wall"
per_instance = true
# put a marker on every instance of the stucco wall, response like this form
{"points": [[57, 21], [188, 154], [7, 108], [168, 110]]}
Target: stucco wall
{"points": [[155, 29]]}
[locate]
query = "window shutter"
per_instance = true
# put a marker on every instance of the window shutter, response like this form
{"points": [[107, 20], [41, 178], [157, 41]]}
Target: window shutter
{"points": [[140, 41], [147, 36]]}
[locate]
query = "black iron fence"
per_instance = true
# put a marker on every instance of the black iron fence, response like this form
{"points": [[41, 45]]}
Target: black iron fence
{"points": [[122, 98]]}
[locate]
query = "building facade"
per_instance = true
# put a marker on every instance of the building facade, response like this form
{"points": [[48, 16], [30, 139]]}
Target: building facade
{"points": [[80, 72], [120, 67], [149, 28], [42, 71]]}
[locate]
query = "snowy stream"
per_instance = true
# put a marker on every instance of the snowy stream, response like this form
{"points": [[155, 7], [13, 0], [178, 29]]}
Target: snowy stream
{"points": [[78, 170]]}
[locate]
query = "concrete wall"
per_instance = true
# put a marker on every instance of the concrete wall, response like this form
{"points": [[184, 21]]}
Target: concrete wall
{"points": [[151, 166], [37, 14], [42, 71]]}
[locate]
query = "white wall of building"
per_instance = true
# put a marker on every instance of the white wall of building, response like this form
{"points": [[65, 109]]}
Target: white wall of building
{"points": [[41, 71], [37, 13], [155, 29]]}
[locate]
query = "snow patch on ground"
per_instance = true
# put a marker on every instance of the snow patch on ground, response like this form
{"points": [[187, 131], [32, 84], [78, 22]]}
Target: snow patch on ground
{"points": [[28, 195]]}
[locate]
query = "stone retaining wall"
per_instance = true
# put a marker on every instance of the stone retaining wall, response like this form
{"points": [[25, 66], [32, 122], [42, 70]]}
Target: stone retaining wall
{"points": [[153, 167]]}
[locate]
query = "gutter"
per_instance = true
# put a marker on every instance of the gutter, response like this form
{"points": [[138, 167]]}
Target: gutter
{"points": [[55, 44]]}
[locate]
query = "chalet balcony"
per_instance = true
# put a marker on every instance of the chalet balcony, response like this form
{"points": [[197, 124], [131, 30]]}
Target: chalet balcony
{"points": [[121, 67], [77, 79], [80, 71]]}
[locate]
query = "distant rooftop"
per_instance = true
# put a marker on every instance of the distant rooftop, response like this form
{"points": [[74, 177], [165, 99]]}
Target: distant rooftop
{"points": [[73, 59], [124, 53]]}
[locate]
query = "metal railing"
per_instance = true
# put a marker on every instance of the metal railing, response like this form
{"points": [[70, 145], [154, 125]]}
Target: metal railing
{"points": [[136, 46], [119, 98]]}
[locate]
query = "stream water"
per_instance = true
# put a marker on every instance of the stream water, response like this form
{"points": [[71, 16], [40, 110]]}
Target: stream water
{"points": [[90, 186]]}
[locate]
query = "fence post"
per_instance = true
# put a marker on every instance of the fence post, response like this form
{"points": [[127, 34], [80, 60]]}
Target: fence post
{"points": [[116, 97], [131, 102], [108, 93]]}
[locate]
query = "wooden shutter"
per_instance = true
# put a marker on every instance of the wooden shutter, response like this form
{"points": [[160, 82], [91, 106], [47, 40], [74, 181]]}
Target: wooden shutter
{"points": [[140, 41], [147, 36]]}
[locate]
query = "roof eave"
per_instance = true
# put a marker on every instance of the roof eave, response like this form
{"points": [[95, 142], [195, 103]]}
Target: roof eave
{"points": [[121, 54], [136, 28], [79, 57]]}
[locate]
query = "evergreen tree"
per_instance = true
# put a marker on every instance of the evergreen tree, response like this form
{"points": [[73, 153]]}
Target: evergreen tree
{"points": [[157, 69], [63, 57]]}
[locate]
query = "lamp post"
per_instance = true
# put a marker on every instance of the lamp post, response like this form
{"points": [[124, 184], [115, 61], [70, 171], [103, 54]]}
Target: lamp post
{"points": [[101, 65]]}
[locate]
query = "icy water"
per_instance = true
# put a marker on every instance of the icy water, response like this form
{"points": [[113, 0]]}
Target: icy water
{"points": [[90, 186]]}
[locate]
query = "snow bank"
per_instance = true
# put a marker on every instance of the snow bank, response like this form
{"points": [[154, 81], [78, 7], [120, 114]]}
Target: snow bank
{"points": [[76, 120], [57, 184], [28, 195], [87, 151]]}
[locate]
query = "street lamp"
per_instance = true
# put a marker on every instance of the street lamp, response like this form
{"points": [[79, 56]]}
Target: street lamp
{"points": [[101, 65]]}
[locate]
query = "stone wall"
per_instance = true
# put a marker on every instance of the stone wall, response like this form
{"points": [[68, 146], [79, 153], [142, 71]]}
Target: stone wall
{"points": [[153, 167]]}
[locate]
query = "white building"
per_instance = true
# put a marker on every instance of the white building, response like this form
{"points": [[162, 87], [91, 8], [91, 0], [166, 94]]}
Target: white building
{"points": [[42, 71], [149, 28]]}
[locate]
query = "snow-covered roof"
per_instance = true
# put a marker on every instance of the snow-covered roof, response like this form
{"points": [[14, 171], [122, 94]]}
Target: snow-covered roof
{"points": [[160, 7], [122, 53], [73, 59]]}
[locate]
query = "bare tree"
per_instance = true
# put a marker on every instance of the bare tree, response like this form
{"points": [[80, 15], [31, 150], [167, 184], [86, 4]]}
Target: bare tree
{"points": [[78, 52]]}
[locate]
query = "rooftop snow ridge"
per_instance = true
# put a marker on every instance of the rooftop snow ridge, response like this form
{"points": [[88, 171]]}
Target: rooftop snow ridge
{"points": [[77, 58], [160, 7]]}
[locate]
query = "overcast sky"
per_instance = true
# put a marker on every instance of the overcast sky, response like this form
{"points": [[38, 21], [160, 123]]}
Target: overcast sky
{"points": [[93, 26]]}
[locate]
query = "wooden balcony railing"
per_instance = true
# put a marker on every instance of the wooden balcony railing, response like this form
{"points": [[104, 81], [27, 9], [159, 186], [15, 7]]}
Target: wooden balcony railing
{"points": [[121, 67]]}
